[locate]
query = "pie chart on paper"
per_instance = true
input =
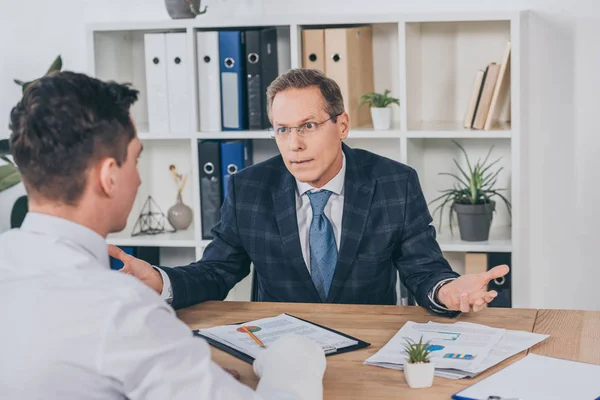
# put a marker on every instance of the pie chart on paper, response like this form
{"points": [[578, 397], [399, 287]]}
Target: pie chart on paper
{"points": [[251, 328]]}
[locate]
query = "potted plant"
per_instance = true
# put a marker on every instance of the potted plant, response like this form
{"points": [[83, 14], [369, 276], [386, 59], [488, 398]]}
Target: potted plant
{"points": [[471, 197], [9, 173], [418, 369], [381, 113], [178, 9]]}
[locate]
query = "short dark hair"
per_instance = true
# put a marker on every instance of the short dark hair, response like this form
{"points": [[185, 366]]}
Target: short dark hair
{"points": [[300, 78], [63, 123]]}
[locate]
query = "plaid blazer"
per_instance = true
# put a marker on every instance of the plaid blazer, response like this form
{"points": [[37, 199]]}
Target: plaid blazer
{"points": [[386, 227]]}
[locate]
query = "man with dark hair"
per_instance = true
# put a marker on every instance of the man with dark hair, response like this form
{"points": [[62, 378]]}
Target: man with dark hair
{"points": [[321, 222], [73, 328]]}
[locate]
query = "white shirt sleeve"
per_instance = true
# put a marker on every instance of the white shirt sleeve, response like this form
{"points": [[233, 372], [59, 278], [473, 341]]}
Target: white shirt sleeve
{"points": [[167, 290], [154, 356]]}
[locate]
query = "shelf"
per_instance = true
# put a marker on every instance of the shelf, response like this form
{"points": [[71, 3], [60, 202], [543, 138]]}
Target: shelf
{"points": [[455, 130], [499, 242], [175, 239]]}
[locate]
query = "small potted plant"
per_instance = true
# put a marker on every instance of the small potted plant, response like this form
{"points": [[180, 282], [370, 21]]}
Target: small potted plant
{"points": [[381, 113], [471, 198], [418, 369]]}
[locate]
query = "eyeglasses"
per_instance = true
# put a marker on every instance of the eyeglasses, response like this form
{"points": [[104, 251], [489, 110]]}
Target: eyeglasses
{"points": [[304, 130]]}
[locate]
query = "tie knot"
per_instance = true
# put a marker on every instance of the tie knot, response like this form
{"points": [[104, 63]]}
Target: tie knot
{"points": [[318, 201]]}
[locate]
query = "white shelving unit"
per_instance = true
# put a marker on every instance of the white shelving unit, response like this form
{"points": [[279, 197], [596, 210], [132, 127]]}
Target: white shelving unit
{"points": [[428, 60]]}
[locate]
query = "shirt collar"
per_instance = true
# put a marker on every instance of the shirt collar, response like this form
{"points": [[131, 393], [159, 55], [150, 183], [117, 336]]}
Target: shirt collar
{"points": [[62, 228], [336, 185]]}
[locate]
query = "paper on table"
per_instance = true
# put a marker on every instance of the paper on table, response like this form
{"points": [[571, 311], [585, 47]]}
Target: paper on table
{"points": [[445, 339], [536, 377], [268, 330], [513, 342]]}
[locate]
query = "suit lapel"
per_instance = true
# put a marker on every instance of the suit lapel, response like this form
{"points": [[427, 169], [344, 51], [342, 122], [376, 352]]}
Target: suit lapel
{"points": [[358, 194], [284, 203]]}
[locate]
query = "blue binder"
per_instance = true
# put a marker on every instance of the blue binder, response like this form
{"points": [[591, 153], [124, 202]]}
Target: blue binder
{"points": [[118, 264], [234, 104], [235, 156]]}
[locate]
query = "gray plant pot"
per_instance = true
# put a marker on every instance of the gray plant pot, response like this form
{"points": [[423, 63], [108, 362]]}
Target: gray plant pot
{"points": [[179, 9], [474, 221]]}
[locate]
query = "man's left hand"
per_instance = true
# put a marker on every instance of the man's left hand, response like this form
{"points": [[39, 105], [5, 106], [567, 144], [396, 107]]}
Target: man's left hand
{"points": [[469, 292]]}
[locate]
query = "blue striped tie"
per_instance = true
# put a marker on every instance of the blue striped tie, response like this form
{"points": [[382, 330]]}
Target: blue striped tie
{"points": [[323, 249]]}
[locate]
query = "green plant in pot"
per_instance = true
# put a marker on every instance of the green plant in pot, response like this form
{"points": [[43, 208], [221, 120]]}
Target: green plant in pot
{"points": [[471, 197], [418, 368], [9, 173], [381, 113]]}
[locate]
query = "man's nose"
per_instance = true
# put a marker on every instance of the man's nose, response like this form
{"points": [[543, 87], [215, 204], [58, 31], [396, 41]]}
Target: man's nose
{"points": [[295, 142]]}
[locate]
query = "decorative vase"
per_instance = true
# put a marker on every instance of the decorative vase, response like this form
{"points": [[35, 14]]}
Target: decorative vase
{"points": [[475, 220], [382, 117], [180, 215], [179, 9], [419, 375]]}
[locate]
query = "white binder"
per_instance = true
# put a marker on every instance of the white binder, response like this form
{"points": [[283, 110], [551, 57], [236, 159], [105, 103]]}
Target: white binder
{"points": [[156, 82], [180, 118], [208, 81]]}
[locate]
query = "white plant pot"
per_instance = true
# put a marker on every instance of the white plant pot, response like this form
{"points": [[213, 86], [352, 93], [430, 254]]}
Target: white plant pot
{"points": [[382, 117], [419, 375]]}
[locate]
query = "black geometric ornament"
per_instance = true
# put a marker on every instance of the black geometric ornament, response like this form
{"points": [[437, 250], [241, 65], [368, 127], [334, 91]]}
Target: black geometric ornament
{"points": [[150, 221]]}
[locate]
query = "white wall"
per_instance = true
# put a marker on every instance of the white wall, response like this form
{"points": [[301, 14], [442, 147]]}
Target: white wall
{"points": [[561, 84]]}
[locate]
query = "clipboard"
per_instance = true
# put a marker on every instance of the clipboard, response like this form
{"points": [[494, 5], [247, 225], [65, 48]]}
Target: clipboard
{"points": [[250, 360]]}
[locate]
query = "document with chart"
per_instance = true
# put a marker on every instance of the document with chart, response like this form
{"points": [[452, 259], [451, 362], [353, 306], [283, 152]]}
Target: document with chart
{"points": [[249, 339], [459, 350]]}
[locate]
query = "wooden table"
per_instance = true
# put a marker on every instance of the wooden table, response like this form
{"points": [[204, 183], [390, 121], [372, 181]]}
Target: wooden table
{"points": [[574, 335]]}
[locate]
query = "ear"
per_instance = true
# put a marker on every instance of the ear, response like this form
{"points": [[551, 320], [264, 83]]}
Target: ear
{"points": [[343, 122], [108, 176]]}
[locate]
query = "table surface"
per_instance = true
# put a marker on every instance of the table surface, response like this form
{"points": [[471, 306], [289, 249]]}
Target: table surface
{"points": [[575, 335]]}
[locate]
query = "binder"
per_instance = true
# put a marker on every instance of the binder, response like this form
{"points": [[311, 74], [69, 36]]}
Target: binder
{"points": [[155, 54], [177, 86], [211, 198], [313, 49], [233, 88], [284, 50], [209, 86], [149, 254], [349, 62], [261, 69], [249, 359], [235, 156]]}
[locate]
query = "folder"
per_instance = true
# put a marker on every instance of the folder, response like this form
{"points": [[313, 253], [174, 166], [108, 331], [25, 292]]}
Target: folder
{"points": [[149, 254], [313, 49], [211, 198], [155, 53], [235, 156], [249, 359], [180, 116], [261, 69], [209, 85], [233, 84], [537, 377], [349, 62], [284, 50]]}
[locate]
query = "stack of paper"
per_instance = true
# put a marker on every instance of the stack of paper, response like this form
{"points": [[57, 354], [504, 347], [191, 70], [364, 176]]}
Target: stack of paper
{"points": [[268, 330], [458, 350]]}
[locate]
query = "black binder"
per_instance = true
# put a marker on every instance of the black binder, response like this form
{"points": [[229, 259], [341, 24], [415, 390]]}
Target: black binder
{"points": [[249, 359], [261, 69], [211, 190]]}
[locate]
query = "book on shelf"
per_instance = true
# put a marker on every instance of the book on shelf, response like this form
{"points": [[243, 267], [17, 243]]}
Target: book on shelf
{"points": [[489, 94]]}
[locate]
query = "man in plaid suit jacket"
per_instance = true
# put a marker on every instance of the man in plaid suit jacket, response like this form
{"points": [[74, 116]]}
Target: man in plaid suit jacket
{"points": [[374, 221]]}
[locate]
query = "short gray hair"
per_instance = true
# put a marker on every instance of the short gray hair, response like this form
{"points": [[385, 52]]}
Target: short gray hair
{"points": [[300, 78]]}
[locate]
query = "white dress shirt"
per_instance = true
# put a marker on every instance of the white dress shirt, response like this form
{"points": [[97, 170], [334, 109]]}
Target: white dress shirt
{"points": [[334, 209], [74, 329]]}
